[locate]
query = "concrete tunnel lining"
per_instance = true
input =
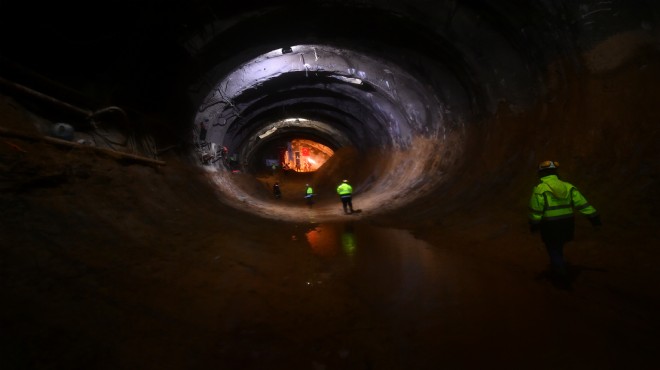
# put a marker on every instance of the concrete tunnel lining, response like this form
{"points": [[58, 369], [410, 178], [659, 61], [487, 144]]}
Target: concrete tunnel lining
{"points": [[283, 130], [477, 62], [115, 265], [413, 109], [390, 110], [475, 58]]}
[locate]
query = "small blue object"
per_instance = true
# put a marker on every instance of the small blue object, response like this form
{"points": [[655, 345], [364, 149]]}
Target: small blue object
{"points": [[63, 131]]}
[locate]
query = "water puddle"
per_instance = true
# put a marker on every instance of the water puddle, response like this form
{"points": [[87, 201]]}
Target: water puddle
{"points": [[380, 265]]}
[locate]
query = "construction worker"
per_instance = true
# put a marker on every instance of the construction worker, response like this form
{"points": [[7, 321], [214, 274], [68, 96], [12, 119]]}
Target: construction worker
{"points": [[276, 190], [309, 194], [551, 211], [345, 191]]}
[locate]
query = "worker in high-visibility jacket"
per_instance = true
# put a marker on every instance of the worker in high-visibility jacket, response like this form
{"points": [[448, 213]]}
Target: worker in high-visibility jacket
{"points": [[345, 191], [309, 194], [551, 211]]}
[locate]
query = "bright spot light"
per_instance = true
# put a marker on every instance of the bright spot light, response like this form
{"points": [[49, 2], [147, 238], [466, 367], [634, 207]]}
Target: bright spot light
{"points": [[352, 80], [295, 120], [310, 160], [267, 133]]}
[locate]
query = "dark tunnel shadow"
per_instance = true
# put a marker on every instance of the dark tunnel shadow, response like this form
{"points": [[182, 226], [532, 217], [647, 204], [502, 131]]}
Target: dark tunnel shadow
{"points": [[565, 281]]}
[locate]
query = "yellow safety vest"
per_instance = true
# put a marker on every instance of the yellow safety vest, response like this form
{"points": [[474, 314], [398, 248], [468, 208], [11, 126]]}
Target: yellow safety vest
{"points": [[554, 199], [344, 189]]}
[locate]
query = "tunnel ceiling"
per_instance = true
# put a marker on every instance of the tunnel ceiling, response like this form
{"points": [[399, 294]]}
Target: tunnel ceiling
{"points": [[137, 50], [144, 47], [377, 75], [368, 101]]}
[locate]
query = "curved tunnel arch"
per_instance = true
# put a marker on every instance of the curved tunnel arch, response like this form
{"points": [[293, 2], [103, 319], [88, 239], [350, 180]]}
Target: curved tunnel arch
{"points": [[432, 80], [309, 101], [372, 104], [499, 73], [264, 148], [171, 278]]}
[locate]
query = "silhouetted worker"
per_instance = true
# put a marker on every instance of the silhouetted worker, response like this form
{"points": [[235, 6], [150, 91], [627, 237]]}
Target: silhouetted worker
{"points": [[276, 190], [309, 195], [552, 206], [233, 162], [203, 127], [345, 191]]}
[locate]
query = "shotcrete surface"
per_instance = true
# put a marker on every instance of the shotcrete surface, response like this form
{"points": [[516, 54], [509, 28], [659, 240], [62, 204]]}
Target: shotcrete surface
{"points": [[108, 264]]}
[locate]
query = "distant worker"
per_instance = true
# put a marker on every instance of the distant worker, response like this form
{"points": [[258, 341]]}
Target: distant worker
{"points": [[309, 195], [276, 190], [345, 191], [551, 211], [203, 128], [233, 162]]}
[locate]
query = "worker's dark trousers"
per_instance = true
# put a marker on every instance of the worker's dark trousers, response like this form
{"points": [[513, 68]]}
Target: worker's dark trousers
{"points": [[556, 253], [555, 234], [347, 203]]}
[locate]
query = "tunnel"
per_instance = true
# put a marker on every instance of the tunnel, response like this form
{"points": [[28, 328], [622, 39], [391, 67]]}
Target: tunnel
{"points": [[140, 143]]}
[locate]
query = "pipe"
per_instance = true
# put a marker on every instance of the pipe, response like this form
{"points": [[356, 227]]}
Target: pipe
{"points": [[51, 140], [20, 88]]}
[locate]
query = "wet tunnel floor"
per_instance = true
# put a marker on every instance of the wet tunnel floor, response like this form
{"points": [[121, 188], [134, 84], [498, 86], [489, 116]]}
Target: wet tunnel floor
{"points": [[316, 296], [108, 266]]}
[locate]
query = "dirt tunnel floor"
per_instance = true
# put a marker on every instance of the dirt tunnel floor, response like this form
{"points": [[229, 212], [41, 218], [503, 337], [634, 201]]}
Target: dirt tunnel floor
{"points": [[113, 265], [126, 266]]}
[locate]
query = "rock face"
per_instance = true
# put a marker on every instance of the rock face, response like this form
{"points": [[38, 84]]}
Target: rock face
{"points": [[112, 261]]}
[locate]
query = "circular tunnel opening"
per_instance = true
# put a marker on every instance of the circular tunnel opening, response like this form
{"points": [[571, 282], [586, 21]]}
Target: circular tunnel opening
{"points": [[298, 106], [291, 154]]}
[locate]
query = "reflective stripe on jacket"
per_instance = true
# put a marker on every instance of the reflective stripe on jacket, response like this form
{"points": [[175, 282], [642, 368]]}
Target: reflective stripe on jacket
{"points": [[344, 189], [554, 199]]}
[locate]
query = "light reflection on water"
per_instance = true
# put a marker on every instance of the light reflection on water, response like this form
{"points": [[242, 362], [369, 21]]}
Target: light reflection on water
{"points": [[380, 264], [328, 240]]}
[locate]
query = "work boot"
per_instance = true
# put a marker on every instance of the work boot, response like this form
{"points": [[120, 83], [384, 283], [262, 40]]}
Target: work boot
{"points": [[561, 277]]}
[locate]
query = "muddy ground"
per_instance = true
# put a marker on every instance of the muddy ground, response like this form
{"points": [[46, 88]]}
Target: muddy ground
{"points": [[115, 264]]}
